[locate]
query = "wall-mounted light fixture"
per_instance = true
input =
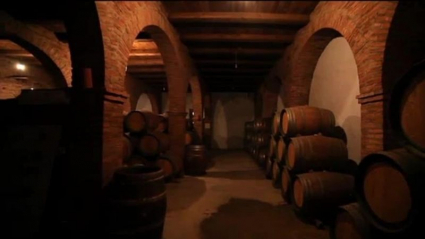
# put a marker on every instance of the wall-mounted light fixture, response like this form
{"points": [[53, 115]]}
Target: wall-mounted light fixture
{"points": [[20, 66]]}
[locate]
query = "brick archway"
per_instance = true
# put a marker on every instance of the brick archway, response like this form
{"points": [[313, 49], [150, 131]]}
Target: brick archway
{"points": [[365, 27], [121, 22], [43, 44]]}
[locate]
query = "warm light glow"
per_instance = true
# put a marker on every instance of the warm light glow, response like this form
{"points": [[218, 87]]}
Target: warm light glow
{"points": [[32, 88], [20, 66]]}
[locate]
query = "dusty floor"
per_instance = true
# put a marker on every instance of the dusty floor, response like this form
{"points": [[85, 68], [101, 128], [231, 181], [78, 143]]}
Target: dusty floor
{"points": [[233, 200]]}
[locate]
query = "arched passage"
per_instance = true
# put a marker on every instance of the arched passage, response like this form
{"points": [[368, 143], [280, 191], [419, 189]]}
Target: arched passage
{"points": [[335, 86], [143, 103]]}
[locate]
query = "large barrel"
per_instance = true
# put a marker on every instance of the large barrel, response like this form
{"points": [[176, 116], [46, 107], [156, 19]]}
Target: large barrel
{"points": [[272, 146], [322, 191], [168, 167], [306, 120], [196, 160], [315, 153], [390, 186], [281, 148], [134, 204], [153, 143], [407, 111], [337, 132], [138, 122], [287, 181], [276, 123]]}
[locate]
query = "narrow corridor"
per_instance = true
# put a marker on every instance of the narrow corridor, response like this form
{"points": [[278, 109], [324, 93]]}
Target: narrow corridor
{"points": [[233, 200]]}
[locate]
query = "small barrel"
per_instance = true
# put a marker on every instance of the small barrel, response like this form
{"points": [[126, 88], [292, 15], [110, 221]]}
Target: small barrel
{"points": [[281, 148], [264, 125], [262, 139], [138, 122], [390, 186], [129, 145], [316, 152], [318, 192], [191, 137], [196, 161], [269, 168], [287, 181], [262, 156], [306, 120], [134, 204], [276, 175], [168, 167], [154, 143]]}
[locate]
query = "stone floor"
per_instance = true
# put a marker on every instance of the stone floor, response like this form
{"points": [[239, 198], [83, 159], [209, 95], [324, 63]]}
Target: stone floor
{"points": [[233, 200]]}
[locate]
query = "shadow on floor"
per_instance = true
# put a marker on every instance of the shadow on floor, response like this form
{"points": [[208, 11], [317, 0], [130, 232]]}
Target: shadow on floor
{"points": [[252, 219], [181, 194], [236, 175]]}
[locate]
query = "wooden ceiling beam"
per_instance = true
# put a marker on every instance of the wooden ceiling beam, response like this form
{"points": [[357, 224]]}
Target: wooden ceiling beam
{"points": [[240, 17], [145, 62], [252, 51], [217, 37], [149, 69], [232, 62]]}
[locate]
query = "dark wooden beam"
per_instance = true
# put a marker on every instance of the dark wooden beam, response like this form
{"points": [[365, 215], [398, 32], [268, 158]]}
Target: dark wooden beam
{"points": [[217, 37], [240, 17]]}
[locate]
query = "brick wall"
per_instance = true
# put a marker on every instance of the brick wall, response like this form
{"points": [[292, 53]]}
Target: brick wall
{"points": [[35, 77], [365, 25]]}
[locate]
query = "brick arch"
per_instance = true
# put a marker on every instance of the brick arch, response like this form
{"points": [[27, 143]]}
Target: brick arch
{"points": [[120, 23], [365, 27], [43, 44]]}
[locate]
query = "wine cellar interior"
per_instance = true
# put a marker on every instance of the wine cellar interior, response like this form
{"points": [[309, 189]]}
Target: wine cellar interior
{"points": [[212, 119]]}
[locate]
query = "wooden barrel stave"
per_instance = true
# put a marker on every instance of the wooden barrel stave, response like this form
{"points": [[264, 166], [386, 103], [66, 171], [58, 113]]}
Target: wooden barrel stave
{"points": [[196, 160]]}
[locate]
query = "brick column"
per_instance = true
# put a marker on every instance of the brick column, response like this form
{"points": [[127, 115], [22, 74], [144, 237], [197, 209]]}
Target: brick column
{"points": [[112, 134], [177, 130], [372, 122]]}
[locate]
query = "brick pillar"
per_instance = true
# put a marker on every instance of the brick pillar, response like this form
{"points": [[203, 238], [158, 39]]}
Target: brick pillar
{"points": [[207, 124], [112, 134], [177, 130], [372, 122]]}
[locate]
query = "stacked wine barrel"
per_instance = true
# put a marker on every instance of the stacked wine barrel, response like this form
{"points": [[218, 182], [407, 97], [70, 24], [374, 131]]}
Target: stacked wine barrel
{"points": [[390, 184], [146, 142], [307, 158], [257, 139]]}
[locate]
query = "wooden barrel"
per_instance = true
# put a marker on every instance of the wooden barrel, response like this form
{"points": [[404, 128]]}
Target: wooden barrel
{"points": [[153, 143], [262, 156], [390, 186], [162, 124], [129, 145], [191, 137], [276, 175], [269, 168], [315, 153], [168, 167], [264, 125], [137, 122], [350, 223], [281, 148], [272, 146], [337, 132], [322, 191], [407, 111], [262, 139], [287, 180], [134, 203], [276, 123], [306, 120], [196, 161]]}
